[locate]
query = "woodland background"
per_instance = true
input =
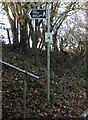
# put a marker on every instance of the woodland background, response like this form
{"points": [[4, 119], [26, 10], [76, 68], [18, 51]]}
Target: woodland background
{"points": [[27, 49]]}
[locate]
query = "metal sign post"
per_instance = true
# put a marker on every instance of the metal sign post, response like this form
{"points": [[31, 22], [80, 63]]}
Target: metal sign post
{"points": [[48, 57], [44, 14]]}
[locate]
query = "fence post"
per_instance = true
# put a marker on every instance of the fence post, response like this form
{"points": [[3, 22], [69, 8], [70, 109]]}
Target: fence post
{"points": [[24, 96]]}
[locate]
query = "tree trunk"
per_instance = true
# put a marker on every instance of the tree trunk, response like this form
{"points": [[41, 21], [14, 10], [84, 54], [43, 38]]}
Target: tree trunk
{"points": [[35, 36], [23, 34], [55, 43], [15, 33], [8, 36]]}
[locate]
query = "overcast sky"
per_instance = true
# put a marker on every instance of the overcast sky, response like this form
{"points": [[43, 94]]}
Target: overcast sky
{"points": [[4, 20]]}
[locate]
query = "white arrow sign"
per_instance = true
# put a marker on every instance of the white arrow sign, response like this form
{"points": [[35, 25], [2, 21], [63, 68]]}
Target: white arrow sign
{"points": [[37, 14]]}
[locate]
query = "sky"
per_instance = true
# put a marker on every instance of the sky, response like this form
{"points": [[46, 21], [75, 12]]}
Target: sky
{"points": [[4, 20]]}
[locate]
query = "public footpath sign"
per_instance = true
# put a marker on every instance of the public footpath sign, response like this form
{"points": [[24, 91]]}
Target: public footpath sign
{"points": [[44, 14], [37, 14]]}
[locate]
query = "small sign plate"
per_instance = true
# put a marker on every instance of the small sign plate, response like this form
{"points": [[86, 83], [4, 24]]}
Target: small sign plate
{"points": [[37, 14], [48, 37]]}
